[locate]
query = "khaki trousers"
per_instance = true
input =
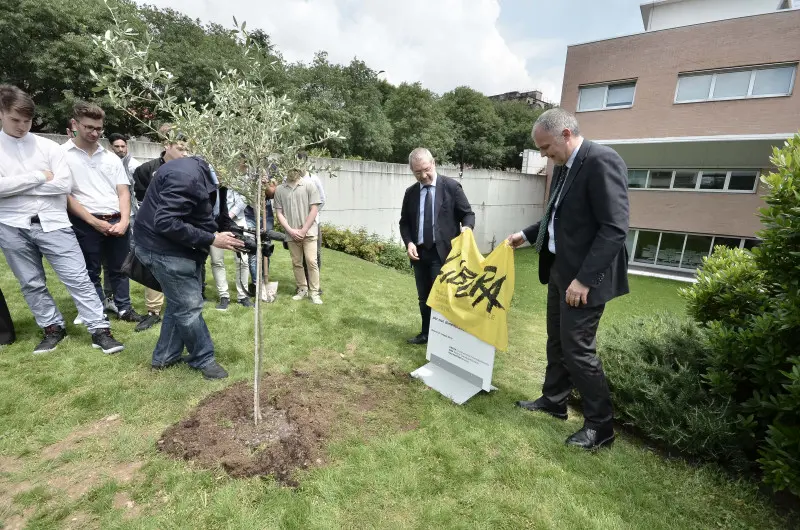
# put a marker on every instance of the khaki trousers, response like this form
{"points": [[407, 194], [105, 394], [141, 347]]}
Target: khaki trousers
{"points": [[307, 248], [153, 300]]}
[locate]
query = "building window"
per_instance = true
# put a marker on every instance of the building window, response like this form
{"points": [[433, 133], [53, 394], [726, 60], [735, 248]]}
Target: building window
{"points": [[767, 81], [675, 250], [599, 97], [733, 181]]}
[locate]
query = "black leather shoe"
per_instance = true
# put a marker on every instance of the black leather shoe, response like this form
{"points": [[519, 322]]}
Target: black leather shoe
{"points": [[419, 339], [543, 405], [592, 439]]}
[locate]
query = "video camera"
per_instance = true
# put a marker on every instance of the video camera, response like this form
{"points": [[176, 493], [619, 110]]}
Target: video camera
{"points": [[248, 235]]}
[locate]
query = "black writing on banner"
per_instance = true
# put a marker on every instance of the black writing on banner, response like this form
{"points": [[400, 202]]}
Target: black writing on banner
{"points": [[479, 287]]}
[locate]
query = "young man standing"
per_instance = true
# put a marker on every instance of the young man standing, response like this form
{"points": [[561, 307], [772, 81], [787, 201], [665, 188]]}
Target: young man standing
{"points": [[296, 205], [173, 150], [34, 183], [100, 205]]}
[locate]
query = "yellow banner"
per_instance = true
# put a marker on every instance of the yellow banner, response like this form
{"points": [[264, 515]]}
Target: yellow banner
{"points": [[474, 292]]}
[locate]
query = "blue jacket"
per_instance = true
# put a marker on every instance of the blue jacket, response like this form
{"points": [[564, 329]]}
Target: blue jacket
{"points": [[176, 216]]}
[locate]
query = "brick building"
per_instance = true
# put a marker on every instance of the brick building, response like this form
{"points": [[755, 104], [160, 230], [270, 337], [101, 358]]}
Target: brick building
{"points": [[695, 105]]}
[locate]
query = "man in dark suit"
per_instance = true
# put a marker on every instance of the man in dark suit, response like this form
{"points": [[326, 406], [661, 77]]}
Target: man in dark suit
{"points": [[583, 261], [435, 210]]}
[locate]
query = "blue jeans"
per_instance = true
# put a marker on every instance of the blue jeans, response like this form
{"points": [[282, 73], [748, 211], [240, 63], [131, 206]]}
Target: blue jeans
{"points": [[182, 324]]}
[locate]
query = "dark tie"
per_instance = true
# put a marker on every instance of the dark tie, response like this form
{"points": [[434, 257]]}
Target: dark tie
{"points": [[559, 183], [427, 228]]}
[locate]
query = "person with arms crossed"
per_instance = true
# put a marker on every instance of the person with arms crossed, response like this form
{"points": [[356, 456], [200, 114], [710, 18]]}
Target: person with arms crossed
{"points": [[34, 183], [434, 211], [583, 262]]}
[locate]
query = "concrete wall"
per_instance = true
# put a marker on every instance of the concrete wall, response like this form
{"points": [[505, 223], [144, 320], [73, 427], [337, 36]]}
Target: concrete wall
{"points": [[369, 195], [686, 12]]}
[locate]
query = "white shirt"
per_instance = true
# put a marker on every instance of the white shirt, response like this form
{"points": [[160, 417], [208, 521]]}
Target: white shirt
{"points": [[422, 192], [551, 231], [24, 190], [95, 178]]}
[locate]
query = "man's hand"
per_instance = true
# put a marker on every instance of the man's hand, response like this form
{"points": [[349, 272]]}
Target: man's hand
{"points": [[577, 294], [297, 235], [465, 228], [48, 175], [101, 226], [118, 229], [515, 240], [412, 252], [227, 241]]}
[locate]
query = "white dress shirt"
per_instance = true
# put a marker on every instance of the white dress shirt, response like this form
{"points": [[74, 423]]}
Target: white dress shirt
{"points": [[95, 178], [551, 231], [24, 190]]}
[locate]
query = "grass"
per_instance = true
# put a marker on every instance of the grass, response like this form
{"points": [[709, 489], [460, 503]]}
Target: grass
{"points": [[482, 465]]}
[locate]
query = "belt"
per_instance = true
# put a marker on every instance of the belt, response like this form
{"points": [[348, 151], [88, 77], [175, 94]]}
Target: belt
{"points": [[107, 216], [35, 220]]}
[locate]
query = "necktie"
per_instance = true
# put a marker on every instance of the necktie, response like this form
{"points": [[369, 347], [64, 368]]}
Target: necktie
{"points": [[427, 228], [559, 183]]}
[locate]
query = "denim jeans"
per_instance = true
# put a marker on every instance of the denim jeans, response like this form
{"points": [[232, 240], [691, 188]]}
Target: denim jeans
{"points": [[97, 248], [182, 324]]}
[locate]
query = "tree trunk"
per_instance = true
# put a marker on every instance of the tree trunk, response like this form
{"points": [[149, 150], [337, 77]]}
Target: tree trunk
{"points": [[258, 284]]}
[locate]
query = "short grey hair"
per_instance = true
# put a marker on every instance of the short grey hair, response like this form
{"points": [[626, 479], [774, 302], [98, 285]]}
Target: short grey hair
{"points": [[420, 154], [556, 120]]}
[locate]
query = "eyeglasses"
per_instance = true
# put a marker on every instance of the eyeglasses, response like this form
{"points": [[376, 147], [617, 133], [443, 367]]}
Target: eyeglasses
{"points": [[98, 130], [422, 171]]}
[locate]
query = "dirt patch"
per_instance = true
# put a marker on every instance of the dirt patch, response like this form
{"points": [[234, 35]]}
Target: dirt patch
{"points": [[301, 412], [75, 438], [122, 501], [18, 522], [9, 464], [76, 481]]}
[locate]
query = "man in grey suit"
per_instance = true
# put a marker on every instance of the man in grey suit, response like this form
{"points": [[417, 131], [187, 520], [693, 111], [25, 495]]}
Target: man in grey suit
{"points": [[583, 261]]}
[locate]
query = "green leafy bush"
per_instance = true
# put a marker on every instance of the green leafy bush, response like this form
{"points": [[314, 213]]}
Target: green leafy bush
{"points": [[369, 247], [750, 307], [654, 366]]}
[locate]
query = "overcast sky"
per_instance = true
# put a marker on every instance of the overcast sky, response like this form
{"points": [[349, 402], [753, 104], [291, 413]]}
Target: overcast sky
{"points": [[491, 45]]}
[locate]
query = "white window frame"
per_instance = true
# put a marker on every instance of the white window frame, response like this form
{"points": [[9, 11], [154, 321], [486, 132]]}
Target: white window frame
{"points": [[710, 97], [605, 95], [700, 172], [685, 235]]}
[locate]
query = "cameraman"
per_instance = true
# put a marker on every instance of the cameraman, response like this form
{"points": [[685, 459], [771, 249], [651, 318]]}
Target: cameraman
{"points": [[174, 229]]}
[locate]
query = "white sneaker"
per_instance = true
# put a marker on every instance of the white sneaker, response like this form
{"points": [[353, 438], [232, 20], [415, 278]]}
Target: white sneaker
{"points": [[302, 293], [315, 299], [110, 306]]}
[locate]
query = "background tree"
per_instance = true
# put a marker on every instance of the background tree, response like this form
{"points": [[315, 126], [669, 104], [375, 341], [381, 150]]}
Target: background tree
{"points": [[478, 128], [418, 121], [517, 119]]}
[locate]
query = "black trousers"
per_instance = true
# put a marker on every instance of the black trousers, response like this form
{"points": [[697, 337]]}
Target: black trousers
{"points": [[425, 272], [7, 335], [572, 357]]}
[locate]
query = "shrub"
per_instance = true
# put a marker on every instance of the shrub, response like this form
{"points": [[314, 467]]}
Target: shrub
{"points": [[369, 247], [750, 306], [654, 365]]}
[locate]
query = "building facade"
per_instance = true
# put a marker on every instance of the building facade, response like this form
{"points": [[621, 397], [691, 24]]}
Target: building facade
{"points": [[533, 98], [695, 105]]}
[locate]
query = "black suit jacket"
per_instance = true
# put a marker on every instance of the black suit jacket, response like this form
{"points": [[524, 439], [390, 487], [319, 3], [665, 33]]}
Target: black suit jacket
{"points": [[451, 208], [590, 226]]}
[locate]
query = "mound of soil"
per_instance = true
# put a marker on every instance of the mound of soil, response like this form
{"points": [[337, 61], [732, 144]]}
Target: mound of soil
{"points": [[300, 412]]}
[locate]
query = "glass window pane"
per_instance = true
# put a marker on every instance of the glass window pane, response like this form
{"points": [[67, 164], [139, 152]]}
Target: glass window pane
{"points": [[685, 180], [773, 81], [730, 242], [646, 247], [750, 244], [697, 248], [637, 178], [693, 87], [591, 98], [742, 180], [669, 252], [732, 85], [712, 181], [629, 241], [660, 179], [620, 95]]}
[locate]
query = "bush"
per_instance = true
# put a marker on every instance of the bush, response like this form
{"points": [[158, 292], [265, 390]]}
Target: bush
{"points": [[654, 366], [369, 247], [750, 307]]}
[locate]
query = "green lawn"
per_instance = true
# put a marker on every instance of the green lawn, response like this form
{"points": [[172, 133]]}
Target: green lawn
{"points": [[482, 465]]}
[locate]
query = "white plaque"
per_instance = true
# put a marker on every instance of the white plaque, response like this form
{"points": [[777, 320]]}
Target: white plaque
{"points": [[460, 365]]}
